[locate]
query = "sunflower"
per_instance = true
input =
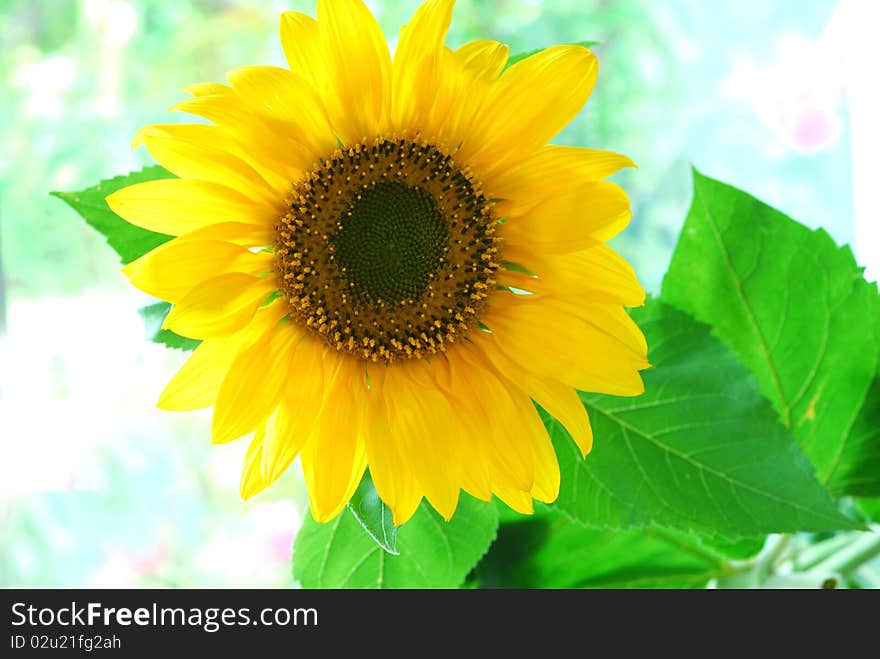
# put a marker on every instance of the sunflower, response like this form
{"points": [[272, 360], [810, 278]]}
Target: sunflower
{"points": [[387, 263]]}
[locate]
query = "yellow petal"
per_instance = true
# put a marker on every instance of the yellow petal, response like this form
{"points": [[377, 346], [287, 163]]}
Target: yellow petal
{"points": [[253, 385], [196, 383], [301, 40], [483, 60], [551, 170], [334, 459], [207, 153], [520, 501], [299, 409], [574, 220], [237, 233], [206, 89], [506, 443], [417, 64], [252, 481], [286, 447], [598, 274], [516, 120], [520, 433], [219, 306], [561, 401], [359, 67], [290, 99], [389, 469], [533, 433], [177, 206], [419, 417], [582, 355], [467, 426], [262, 143], [466, 81], [172, 270]]}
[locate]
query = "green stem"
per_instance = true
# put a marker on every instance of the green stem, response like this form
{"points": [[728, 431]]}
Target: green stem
{"points": [[767, 563], [811, 555], [854, 556]]}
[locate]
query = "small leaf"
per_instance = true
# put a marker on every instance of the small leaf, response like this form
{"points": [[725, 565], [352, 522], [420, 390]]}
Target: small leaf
{"points": [[521, 56], [154, 316], [700, 449], [129, 241], [374, 515], [433, 553], [797, 310]]}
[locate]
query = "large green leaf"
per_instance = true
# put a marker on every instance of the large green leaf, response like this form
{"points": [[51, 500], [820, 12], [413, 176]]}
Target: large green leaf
{"points": [[550, 551], [700, 449], [374, 516], [433, 553], [129, 241], [870, 508], [796, 309], [857, 471], [154, 316]]}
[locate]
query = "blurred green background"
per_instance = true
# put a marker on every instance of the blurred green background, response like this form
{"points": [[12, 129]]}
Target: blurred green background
{"points": [[97, 487]]}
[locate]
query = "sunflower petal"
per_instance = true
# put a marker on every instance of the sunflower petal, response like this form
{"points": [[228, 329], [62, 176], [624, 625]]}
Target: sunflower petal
{"points": [[483, 60], [417, 72], [219, 306], [552, 170], [196, 383], [253, 385], [264, 144], [289, 99], [301, 40], [359, 67], [506, 448], [467, 80], [581, 354], [172, 270], [516, 121], [206, 153], [252, 481], [596, 274], [299, 408], [561, 401], [237, 233], [389, 470], [419, 418], [334, 459], [178, 206], [574, 220]]}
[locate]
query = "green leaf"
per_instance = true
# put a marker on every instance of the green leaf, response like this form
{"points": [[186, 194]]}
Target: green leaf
{"points": [[521, 56], [798, 312], [857, 472], [374, 516], [154, 316], [129, 241], [550, 551], [870, 508], [433, 553], [700, 449]]}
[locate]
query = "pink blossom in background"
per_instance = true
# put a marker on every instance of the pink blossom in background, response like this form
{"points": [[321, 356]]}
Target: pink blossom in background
{"points": [[797, 95]]}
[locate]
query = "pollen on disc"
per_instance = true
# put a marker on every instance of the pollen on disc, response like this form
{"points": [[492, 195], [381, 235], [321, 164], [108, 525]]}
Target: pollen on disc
{"points": [[388, 250]]}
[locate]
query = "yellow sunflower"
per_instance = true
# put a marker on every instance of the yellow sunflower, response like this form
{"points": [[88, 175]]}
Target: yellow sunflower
{"points": [[387, 263]]}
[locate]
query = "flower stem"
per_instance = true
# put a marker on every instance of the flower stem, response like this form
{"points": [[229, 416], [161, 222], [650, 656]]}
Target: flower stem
{"points": [[854, 556]]}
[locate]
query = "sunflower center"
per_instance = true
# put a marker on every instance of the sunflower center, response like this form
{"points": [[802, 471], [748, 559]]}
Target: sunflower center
{"points": [[391, 243], [387, 250]]}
